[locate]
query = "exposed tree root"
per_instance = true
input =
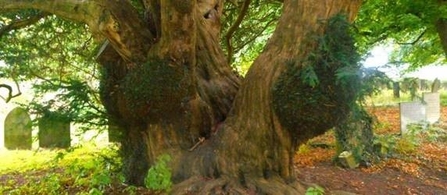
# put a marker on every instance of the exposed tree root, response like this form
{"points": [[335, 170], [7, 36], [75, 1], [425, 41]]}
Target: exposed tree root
{"points": [[203, 186]]}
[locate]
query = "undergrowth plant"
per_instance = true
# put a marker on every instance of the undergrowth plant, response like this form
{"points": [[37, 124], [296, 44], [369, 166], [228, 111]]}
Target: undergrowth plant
{"points": [[315, 190], [159, 175], [409, 142], [80, 170]]}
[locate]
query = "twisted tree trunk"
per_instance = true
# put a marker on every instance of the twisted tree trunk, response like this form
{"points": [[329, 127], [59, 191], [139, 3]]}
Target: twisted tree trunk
{"points": [[166, 83]]}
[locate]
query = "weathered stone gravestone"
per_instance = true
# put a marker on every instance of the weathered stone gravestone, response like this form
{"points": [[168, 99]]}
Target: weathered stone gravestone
{"points": [[18, 129], [432, 107], [396, 90], [54, 133], [435, 86], [411, 112]]}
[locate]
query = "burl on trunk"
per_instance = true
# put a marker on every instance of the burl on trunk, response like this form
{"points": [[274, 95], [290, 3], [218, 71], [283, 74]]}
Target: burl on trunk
{"points": [[225, 134]]}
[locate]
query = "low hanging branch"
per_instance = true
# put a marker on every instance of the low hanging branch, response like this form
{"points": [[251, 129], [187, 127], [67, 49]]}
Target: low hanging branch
{"points": [[117, 20], [18, 24], [234, 27], [9, 88], [416, 40]]}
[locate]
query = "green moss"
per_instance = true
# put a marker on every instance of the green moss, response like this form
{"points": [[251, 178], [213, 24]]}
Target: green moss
{"points": [[314, 94], [155, 88]]}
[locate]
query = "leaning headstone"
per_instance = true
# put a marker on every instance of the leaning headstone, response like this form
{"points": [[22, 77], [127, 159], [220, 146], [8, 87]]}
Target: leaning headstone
{"points": [[411, 112], [396, 90], [432, 107], [53, 132], [18, 129]]}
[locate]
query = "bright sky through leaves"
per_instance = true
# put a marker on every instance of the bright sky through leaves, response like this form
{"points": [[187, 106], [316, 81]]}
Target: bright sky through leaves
{"points": [[379, 57]]}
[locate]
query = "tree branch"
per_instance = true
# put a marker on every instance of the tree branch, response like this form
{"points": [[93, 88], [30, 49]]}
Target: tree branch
{"points": [[234, 27], [441, 28], [9, 88], [18, 24], [416, 40], [115, 19]]}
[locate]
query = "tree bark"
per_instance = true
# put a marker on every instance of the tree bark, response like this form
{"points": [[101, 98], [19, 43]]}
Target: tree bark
{"points": [[166, 83], [262, 149], [441, 27]]}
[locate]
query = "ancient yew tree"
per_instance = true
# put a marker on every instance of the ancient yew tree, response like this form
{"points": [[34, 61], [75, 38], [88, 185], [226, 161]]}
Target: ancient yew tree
{"points": [[167, 84]]}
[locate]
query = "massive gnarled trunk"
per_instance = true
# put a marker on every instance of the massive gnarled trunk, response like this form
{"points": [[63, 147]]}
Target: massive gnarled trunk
{"points": [[166, 83]]}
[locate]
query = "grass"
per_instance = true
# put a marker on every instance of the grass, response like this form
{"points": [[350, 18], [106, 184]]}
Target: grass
{"points": [[83, 170], [386, 98], [25, 160], [86, 169], [444, 98]]}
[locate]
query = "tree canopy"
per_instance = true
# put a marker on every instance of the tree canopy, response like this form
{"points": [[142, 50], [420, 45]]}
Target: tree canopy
{"points": [[416, 30]]}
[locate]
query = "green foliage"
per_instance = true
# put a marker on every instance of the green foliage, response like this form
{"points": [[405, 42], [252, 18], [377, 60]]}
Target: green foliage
{"points": [[304, 148], [250, 36], [408, 143], [74, 101], [327, 85], [152, 90], [391, 145], [58, 56], [443, 98], [309, 76], [355, 134], [159, 175], [315, 190], [411, 85], [52, 48], [85, 170], [407, 25]]}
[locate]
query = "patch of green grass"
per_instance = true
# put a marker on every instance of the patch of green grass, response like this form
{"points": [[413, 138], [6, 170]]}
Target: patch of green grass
{"points": [[443, 98], [24, 160], [86, 169], [386, 98], [82, 170]]}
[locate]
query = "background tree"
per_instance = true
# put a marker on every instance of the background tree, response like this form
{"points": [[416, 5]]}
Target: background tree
{"points": [[166, 82], [59, 58], [246, 26], [416, 30]]}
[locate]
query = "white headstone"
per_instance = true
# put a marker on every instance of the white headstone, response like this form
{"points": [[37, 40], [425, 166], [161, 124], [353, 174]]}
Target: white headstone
{"points": [[411, 112], [432, 107]]}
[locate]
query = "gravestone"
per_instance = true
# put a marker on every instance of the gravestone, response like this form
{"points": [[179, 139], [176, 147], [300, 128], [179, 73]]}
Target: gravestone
{"points": [[396, 90], [424, 85], [435, 86], [432, 107], [54, 133], [18, 129], [411, 112]]}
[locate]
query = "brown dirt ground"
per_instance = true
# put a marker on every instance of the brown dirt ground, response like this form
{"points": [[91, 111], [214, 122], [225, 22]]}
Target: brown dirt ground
{"points": [[421, 172]]}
